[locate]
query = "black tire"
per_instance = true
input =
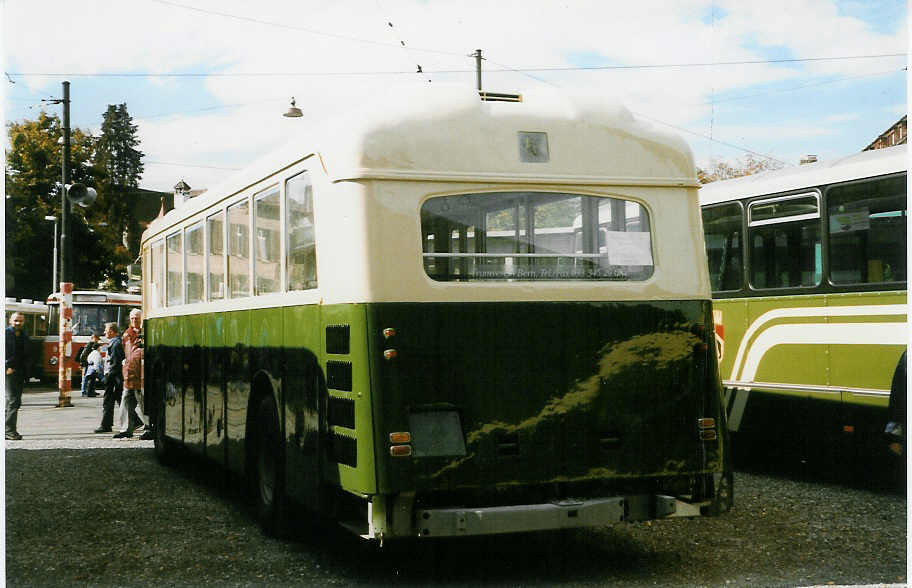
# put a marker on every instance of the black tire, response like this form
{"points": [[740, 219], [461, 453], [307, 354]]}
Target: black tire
{"points": [[268, 470]]}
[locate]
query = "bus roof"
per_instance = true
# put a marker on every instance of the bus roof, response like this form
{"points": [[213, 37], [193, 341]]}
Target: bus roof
{"points": [[97, 296], [26, 305], [447, 133], [866, 164]]}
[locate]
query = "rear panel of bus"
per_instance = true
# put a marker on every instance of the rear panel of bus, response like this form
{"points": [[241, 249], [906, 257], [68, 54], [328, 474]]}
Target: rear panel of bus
{"points": [[517, 402]]}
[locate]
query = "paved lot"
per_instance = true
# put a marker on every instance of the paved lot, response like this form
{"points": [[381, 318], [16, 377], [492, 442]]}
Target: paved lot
{"points": [[190, 526], [43, 425]]}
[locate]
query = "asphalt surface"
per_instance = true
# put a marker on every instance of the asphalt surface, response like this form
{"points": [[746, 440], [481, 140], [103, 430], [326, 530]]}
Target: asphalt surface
{"points": [[84, 509], [43, 424]]}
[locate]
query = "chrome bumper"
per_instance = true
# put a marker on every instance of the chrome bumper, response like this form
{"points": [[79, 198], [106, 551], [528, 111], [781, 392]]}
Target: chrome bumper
{"points": [[454, 522]]}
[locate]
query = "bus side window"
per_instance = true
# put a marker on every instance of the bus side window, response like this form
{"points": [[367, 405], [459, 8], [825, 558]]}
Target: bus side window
{"points": [[155, 274], [722, 231], [239, 249], [215, 255], [785, 242], [267, 268], [867, 226], [194, 262], [175, 262], [301, 253]]}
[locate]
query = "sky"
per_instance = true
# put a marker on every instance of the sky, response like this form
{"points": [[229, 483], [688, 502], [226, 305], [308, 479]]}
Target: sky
{"points": [[207, 82]]}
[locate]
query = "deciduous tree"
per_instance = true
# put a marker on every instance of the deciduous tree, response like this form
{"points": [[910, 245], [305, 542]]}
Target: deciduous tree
{"points": [[748, 165], [32, 173]]}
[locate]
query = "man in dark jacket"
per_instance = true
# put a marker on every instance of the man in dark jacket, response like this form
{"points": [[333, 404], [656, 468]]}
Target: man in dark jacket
{"points": [[113, 377], [17, 362]]}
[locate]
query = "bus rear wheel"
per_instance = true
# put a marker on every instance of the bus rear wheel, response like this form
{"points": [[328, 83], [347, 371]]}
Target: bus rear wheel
{"points": [[268, 469]]}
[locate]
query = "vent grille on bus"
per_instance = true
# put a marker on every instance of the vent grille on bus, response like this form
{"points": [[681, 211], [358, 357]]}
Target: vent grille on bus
{"points": [[345, 450], [342, 412], [339, 375], [337, 339]]}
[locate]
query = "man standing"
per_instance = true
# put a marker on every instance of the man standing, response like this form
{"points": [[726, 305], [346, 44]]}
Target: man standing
{"points": [[132, 375], [113, 378], [16, 372]]}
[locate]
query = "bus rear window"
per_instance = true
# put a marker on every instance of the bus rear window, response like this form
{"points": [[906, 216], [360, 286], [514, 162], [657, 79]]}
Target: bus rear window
{"points": [[535, 236]]}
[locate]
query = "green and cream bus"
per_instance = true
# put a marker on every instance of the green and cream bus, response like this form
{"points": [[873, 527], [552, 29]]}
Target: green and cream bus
{"points": [[442, 316], [808, 271]]}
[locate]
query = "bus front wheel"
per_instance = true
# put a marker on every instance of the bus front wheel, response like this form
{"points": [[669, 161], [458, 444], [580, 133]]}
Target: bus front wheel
{"points": [[268, 469]]}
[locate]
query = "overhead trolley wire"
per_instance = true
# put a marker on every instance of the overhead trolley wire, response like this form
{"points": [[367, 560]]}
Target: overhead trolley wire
{"points": [[444, 71], [298, 28]]}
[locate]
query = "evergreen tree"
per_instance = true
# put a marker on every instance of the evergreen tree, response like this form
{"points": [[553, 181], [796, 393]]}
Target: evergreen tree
{"points": [[120, 162]]}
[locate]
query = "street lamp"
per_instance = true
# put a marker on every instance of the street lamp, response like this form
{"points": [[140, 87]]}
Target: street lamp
{"points": [[54, 264], [293, 111]]}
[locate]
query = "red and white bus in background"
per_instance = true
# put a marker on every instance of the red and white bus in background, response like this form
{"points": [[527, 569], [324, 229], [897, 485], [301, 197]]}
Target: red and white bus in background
{"points": [[36, 325], [91, 310]]}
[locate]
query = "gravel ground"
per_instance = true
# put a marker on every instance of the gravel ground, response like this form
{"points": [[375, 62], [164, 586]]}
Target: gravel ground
{"points": [[103, 516]]}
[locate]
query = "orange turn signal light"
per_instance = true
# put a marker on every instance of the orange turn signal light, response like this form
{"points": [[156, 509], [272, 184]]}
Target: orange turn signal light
{"points": [[706, 423], [389, 354], [389, 332], [401, 450], [708, 435], [401, 437]]}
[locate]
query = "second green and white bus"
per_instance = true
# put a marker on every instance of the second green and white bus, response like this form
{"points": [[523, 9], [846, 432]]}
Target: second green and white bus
{"points": [[441, 316], [809, 272]]}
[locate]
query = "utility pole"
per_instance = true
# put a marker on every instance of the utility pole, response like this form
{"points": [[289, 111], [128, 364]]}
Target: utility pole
{"points": [[477, 55], [65, 249], [65, 344]]}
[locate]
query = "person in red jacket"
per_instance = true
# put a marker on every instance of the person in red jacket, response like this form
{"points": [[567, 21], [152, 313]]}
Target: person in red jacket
{"points": [[132, 400]]}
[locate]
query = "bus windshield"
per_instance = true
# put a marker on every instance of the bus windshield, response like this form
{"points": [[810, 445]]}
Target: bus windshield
{"points": [[535, 236], [88, 318]]}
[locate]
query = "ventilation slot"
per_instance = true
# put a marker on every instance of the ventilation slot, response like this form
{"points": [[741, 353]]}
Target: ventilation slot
{"points": [[337, 339], [339, 375], [345, 450], [342, 412]]}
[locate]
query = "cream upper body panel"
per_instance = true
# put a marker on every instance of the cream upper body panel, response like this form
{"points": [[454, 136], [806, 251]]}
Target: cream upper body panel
{"points": [[373, 170]]}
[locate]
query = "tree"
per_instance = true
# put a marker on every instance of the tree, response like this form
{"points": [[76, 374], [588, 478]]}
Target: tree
{"points": [[120, 162], [31, 177], [746, 166]]}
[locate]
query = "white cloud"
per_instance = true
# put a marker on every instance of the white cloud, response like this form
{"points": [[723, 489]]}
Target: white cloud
{"points": [[157, 37]]}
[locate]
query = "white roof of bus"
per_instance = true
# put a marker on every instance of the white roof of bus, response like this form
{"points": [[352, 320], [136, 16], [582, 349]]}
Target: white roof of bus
{"points": [[442, 132], [866, 164], [112, 297]]}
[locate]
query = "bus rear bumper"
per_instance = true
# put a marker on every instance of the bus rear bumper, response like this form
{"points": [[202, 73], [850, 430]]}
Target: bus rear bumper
{"points": [[567, 514]]}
